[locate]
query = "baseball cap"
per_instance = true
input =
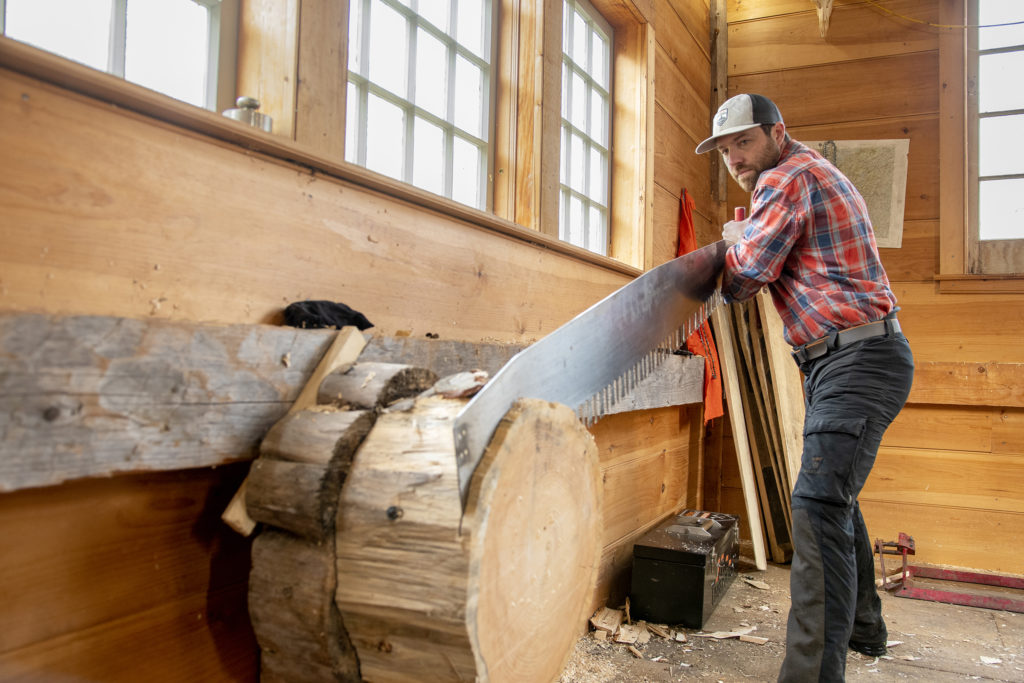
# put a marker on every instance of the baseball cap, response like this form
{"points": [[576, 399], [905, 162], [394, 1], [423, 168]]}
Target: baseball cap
{"points": [[740, 113]]}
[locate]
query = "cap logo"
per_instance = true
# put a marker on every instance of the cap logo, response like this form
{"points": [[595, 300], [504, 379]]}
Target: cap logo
{"points": [[721, 116]]}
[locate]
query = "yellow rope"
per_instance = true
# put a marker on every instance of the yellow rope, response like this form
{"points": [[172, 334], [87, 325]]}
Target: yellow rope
{"points": [[928, 23]]}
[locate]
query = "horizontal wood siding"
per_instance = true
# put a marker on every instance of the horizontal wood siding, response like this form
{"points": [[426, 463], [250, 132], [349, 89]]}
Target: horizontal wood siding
{"points": [[105, 211], [953, 459]]}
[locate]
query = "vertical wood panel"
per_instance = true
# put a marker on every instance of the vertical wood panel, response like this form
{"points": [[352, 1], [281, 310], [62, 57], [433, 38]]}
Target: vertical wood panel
{"points": [[268, 58]]}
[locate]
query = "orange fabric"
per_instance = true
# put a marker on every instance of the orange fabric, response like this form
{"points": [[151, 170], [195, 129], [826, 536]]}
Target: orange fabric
{"points": [[701, 342]]}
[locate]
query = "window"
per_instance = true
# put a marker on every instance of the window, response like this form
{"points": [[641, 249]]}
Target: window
{"points": [[419, 94], [583, 209], [172, 46], [981, 222], [995, 134]]}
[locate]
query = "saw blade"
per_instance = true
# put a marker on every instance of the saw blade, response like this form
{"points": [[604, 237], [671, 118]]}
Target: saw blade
{"points": [[598, 357]]}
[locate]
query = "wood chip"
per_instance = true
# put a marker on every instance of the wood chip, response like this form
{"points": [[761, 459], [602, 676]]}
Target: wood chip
{"points": [[722, 635], [628, 634], [607, 619], [636, 652], [679, 637], [645, 636], [659, 630], [757, 584], [757, 640], [600, 635]]}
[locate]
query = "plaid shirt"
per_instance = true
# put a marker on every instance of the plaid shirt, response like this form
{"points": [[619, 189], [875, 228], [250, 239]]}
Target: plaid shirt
{"points": [[810, 240]]}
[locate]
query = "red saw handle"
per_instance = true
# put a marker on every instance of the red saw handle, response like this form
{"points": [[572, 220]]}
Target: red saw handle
{"points": [[740, 212]]}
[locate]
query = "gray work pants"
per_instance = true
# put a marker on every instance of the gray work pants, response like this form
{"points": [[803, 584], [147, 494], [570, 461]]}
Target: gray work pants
{"points": [[852, 395]]}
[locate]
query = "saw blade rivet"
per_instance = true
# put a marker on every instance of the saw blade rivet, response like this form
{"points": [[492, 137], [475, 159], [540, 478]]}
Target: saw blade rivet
{"points": [[394, 512]]}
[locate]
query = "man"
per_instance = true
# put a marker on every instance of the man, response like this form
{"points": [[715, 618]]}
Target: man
{"points": [[809, 239]]}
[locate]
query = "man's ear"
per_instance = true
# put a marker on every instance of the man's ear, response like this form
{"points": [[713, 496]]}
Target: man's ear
{"points": [[779, 133]]}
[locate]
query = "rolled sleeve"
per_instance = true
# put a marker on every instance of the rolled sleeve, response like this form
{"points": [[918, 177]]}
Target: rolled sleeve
{"points": [[759, 257]]}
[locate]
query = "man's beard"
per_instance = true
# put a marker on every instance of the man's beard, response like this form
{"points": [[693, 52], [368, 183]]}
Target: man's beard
{"points": [[746, 175]]}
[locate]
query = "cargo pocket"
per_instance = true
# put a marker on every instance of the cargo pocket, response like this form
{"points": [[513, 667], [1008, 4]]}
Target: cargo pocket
{"points": [[831, 458]]}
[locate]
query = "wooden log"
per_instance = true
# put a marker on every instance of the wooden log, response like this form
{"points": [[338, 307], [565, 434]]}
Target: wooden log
{"points": [[303, 462], [296, 496], [317, 435], [374, 385], [291, 605], [500, 594], [342, 353]]}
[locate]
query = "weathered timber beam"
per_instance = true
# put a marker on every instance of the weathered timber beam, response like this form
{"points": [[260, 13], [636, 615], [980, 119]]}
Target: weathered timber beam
{"points": [[678, 381], [85, 396]]}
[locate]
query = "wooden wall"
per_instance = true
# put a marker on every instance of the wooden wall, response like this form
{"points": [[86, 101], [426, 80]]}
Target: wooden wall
{"points": [[108, 211], [951, 469]]}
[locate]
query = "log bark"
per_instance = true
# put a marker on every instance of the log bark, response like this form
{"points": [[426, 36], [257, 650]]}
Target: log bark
{"points": [[500, 594], [297, 625]]}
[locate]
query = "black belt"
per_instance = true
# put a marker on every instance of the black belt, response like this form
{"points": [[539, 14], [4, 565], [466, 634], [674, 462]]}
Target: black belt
{"points": [[822, 347]]}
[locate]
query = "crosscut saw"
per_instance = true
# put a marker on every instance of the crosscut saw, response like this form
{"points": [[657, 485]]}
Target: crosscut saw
{"points": [[598, 357]]}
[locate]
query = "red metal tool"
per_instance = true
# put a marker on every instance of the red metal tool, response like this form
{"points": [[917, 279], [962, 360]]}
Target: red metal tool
{"points": [[905, 588]]}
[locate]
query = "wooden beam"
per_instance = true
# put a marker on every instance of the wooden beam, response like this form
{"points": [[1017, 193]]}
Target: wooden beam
{"points": [[678, 381], [85, 396]]}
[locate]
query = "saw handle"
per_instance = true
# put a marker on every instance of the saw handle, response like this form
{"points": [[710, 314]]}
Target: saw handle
{"points": [[739, 213]]}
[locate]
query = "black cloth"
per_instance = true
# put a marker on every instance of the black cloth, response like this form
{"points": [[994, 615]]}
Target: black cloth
{"points": [[319, 314]]}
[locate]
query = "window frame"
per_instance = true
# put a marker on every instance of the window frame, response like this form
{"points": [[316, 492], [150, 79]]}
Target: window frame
{"points": [[529, 122], [566, 191], [221, 48], [963, 258], [411, 111]]}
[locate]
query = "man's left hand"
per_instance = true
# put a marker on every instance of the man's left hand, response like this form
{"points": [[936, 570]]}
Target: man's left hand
{"points": [[732, 232]]}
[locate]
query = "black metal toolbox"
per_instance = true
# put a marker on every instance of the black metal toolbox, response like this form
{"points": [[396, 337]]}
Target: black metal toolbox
{"points": [[682, 568]]}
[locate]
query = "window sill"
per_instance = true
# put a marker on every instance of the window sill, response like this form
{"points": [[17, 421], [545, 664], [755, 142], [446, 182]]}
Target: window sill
{"points": [[980, 284], [41, 65]]}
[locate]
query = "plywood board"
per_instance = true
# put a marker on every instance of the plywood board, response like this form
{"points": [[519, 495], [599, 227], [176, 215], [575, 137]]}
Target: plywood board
{"points": [[730, 374], [787, 382]]}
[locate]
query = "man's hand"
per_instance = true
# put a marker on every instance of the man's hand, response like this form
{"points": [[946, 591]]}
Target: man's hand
{"points": [[732, 232]]}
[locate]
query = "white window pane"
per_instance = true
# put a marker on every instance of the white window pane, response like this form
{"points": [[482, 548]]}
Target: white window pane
{"points": [[166, 47], [579, 40], [599, 59], [437, 13], [563, 168], [385, 137], [428, 156], [431, 73], [468, 96], [578, 102], [998, 82], [577, 165], [1000, 12], [75, 29], [352, 123], [565, 90], [471, 26], [1001, 207], [466, 173], [598, 177], [575, 232], [389, 49], [999, 150], [596, 240], [598, 117]]}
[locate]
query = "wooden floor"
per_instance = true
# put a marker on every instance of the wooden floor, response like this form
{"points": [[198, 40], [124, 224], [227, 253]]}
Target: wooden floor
{"points": [[936, 643]]}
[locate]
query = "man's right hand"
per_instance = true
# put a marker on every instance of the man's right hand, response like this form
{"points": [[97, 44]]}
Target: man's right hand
{"points": [[732, 232]]}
